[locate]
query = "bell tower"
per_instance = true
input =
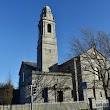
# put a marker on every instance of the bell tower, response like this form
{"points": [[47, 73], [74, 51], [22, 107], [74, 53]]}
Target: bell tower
{"points": [[47, 45]]}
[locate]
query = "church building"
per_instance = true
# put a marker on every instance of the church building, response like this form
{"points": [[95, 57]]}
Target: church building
{"points": [[53, 82], [51, 85]]}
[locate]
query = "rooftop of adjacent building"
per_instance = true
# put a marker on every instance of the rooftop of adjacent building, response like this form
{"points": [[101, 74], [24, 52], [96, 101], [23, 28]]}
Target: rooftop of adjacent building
{"points": [[29, 63], [32, 65]]}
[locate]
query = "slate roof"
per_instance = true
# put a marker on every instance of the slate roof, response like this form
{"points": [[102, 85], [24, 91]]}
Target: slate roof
{"points": [[32, 65]]}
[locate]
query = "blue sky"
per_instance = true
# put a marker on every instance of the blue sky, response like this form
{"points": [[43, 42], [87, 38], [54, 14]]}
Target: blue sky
{"points": [[19, 33]]}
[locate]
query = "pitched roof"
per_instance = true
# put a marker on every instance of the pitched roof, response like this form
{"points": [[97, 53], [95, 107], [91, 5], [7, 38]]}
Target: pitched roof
{"points": [[32, 65]]}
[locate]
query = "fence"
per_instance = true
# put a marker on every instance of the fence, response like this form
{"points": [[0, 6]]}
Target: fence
{"points": [[49, 106], [82, 105]]}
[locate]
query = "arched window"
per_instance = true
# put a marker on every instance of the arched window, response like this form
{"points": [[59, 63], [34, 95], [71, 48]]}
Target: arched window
{"points": [[49, 28]]}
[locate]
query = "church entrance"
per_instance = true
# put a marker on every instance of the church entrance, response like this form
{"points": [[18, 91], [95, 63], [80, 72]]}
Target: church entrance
{"points": [[60, 96]]}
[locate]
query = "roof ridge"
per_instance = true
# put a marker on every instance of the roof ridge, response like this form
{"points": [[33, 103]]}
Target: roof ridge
{"points": [[29, 61]]}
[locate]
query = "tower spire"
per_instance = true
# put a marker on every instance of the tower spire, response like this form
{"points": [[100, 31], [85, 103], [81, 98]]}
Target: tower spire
{"points": [[47, 44]]}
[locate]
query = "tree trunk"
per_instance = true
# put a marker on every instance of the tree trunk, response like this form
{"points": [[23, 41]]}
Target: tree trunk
{"points": [[105, 90], [106, 95]]}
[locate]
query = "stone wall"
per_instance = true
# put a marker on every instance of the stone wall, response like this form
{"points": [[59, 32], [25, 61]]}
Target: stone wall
{"points": [[54, 82]]}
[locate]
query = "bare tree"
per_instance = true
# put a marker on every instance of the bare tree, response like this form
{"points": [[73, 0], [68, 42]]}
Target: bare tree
{"points": [[98, 58], [6, 93]]}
